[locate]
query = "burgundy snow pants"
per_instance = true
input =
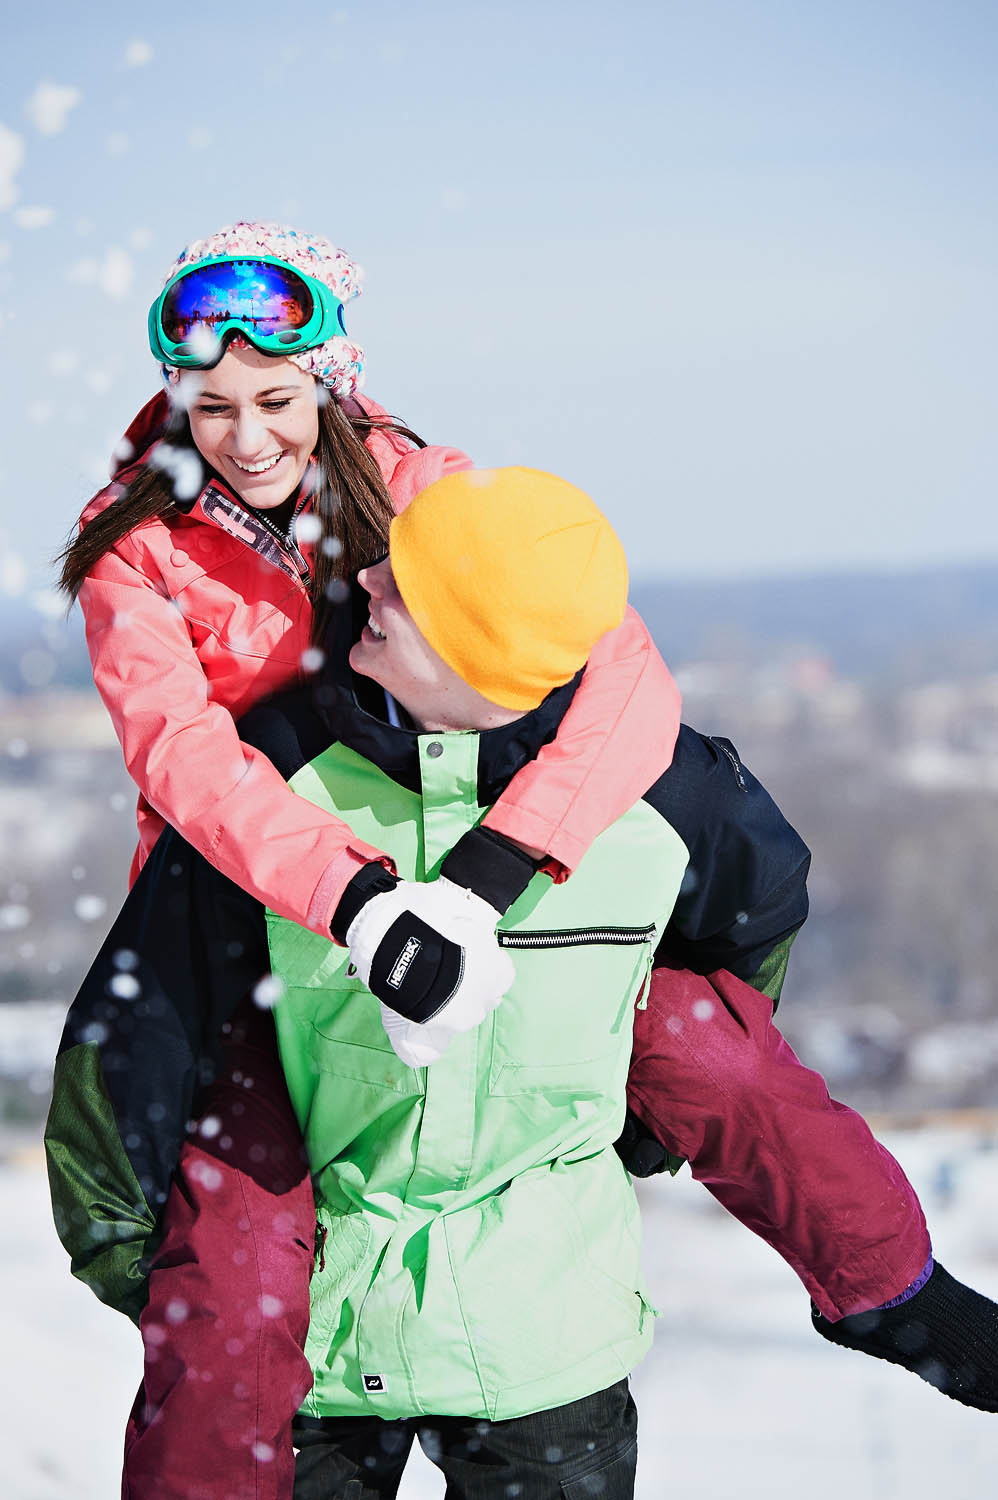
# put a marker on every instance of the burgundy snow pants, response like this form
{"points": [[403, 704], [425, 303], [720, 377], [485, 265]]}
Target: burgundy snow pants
{"points": [[228, 1308], [716, 1082], [227, 1316]]}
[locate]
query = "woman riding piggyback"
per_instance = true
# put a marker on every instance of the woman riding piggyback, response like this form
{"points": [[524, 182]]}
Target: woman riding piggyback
{"points": [[255, 486]]}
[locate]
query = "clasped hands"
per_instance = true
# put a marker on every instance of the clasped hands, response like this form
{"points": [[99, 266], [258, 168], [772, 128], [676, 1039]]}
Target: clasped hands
{"points": [[429, 952]]}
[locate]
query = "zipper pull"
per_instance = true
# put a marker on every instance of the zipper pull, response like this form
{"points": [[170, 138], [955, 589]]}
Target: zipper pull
{"points": [[292, 545], [298, 560], [642, 1000]]}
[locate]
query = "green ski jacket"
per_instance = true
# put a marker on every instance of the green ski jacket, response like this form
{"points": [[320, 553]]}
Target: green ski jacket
{"points": [[480, 1237]]}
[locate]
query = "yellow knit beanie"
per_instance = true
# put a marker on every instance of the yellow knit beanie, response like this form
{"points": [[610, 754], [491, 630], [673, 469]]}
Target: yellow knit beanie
{"points": [[512, 576]]}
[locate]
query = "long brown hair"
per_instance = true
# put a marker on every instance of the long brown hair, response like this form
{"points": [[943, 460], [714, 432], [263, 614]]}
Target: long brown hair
{"points": [[350, 499]]}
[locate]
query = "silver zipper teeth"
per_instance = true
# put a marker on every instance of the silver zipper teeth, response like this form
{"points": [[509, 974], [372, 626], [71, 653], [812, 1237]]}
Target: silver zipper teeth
{"points": [[572, 937], [284, 537]]}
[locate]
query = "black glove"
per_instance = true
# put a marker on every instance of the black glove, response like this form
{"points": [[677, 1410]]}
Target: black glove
{"points": [[946, 1333], [642, 1152]]}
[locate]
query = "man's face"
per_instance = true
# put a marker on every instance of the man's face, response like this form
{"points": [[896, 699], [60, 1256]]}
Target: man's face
{"points": [[397, 655]]}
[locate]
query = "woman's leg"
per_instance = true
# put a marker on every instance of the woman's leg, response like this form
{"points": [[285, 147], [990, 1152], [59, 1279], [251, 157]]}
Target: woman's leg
{"points": [[227, 1315], [717, 1083]]}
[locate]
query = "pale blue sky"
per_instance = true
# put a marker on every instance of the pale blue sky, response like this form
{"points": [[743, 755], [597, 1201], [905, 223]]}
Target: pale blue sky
{"points": [[729, 266]]}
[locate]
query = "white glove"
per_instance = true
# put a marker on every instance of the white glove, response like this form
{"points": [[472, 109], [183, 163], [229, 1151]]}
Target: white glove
{"points": [[430, 955]]}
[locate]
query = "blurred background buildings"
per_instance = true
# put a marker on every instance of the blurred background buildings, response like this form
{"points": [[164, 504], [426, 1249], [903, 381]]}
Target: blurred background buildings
{"points": [[730, 267]]}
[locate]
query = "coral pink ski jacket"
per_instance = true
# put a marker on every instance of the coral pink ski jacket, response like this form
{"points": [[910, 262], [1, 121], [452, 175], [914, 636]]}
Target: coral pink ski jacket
{"points": [[197, 614]]}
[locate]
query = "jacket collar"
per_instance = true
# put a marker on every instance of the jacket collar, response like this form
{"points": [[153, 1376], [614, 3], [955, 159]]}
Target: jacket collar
{"points": [[218, 506], [353, 709]]}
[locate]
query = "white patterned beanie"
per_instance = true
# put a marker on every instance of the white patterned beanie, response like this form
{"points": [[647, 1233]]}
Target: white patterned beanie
{"points": [[339, 362]]}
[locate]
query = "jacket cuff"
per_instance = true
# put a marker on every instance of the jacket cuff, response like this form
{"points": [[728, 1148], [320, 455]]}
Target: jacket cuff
{"points": [[370, 880], [488, 864]]}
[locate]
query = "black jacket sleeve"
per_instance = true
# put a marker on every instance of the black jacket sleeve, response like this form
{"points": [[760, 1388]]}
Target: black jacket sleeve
{"points": [[142, 1036], [743, 897], [139, 1039], [744, 893]]}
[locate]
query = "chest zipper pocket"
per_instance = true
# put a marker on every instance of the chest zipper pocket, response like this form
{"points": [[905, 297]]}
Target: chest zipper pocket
{"points": [[577, 937], [563, 1025]]}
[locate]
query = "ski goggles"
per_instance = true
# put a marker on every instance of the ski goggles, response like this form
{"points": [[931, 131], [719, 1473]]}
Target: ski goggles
{"points": [[278, 309]]}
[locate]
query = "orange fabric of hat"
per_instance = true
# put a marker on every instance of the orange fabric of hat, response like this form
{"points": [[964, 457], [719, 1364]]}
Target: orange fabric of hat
{"points": [[512, 575]]}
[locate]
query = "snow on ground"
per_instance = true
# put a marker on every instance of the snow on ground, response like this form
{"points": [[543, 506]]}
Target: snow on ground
{"points": [[739, 1396]]}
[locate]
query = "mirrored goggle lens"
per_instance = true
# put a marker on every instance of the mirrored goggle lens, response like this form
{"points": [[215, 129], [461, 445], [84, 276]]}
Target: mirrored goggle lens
{"points": [[267, 300]]}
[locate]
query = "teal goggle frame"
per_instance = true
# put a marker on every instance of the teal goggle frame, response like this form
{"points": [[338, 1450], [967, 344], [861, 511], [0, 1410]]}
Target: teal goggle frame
{"points": [[276, 307]]}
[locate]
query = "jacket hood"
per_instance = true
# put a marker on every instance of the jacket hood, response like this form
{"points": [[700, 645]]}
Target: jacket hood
{"points": [[145, 429]]}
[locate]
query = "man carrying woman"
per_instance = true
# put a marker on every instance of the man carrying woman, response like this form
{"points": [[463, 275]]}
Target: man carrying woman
{"points": [[476, 1282]]}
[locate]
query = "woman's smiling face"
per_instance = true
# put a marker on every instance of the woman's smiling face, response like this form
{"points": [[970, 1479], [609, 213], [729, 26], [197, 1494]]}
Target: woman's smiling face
{"points": [[255, 421]]}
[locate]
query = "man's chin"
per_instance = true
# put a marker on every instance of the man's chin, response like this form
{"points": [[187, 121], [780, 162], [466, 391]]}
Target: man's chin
{"points": [[361, 663]]}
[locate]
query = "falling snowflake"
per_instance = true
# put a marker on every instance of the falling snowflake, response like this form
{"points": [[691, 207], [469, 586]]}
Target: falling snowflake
{"points": [[49, 604], [183, 467], [90, 908], [13, 573], [138, 54], [115, 274], [125, 986], [268, 991], [11, 159], [64, 361], [312, 659], [35, 216], [82, 272], [308, 527], [49, 106]]}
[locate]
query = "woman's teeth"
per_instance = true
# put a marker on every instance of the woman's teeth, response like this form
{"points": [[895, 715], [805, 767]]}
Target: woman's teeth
{"points": [[374, 629], [261, 467]]}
